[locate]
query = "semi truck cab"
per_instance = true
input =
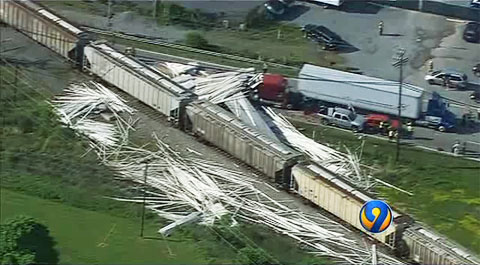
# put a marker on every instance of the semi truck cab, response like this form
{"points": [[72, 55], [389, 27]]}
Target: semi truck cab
{"points": [[275, 91], [438, 115]]}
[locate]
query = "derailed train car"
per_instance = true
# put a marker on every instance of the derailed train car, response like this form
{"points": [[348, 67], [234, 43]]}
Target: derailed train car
{"points": [[221, 128]]}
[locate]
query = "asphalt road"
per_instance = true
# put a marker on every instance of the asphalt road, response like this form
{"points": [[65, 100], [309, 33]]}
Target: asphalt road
{"points": [[423, 36]]}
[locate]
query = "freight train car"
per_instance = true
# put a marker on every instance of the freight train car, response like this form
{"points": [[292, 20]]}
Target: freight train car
{"points": [[137, 79], [221, 128], [43, 26], [428, 248], [323, 188]]}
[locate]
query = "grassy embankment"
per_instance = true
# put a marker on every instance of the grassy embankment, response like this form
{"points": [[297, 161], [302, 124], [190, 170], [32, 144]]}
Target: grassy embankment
{"points": [[446, 189], [47, 174]]}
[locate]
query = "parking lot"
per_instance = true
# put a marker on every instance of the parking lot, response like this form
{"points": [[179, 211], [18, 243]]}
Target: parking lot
{"points": [[424, 37]]}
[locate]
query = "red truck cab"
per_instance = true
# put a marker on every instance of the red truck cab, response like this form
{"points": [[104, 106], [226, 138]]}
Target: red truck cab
{"points": [[273, 88]]}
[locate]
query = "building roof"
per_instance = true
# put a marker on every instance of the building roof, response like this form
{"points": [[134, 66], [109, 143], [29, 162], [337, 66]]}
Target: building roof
{"points": [[328, 77]]}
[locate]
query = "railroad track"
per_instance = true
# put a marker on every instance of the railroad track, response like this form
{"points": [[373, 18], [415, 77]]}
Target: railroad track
{"points": [[158, 42]]}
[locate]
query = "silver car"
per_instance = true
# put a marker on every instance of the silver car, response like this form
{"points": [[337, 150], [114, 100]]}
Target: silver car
{"points": [[448, 78]]}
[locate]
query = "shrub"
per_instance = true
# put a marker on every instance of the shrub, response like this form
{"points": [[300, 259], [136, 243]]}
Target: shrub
{"points": [[196, 39]]}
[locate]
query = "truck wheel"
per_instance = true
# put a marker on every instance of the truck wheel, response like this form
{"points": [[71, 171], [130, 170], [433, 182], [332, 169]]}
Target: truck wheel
{"points": [[431, 82], [355, 129], [442, 128], [325, 122]]}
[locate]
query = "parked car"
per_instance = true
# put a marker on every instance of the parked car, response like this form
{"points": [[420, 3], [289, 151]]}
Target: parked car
{"points": [[475, 3], [322, 35], [476, 69], [275, 7], [472, 32], [449, 78]]}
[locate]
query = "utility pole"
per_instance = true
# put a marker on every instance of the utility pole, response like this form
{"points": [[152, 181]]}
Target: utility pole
{"points": [[154, 8], [144, 199], [109, 15], [399, 60]]}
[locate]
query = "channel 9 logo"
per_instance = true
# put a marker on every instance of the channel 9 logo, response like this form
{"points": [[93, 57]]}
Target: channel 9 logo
{"points": [[376, 216]]}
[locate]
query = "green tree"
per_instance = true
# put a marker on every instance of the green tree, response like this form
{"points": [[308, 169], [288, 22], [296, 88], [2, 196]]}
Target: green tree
{"points": [[25, 241], [196, 39]]}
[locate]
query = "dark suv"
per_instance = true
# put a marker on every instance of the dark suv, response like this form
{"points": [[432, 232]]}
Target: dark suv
{"points": [[322, 35], [472, 32]]}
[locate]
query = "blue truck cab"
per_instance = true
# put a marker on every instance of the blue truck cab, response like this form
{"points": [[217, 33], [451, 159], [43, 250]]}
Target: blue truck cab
{"points": [[438, 115]]}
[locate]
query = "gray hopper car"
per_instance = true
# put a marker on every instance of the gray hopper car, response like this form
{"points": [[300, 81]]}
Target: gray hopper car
{"points": [[222, 129], [42, 26], [425, 247], [324, 189], [137, 79]]}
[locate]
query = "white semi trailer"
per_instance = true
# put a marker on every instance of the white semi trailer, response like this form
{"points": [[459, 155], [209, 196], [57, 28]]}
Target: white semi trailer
{"points": [[362, 92]]}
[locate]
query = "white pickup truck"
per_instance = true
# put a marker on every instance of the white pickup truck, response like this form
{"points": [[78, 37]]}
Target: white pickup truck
{"points": [[343, 118]]}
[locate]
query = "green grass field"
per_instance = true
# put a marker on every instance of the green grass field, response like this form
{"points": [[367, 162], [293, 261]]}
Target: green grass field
{"points": [[446, 189], [91, 237]]}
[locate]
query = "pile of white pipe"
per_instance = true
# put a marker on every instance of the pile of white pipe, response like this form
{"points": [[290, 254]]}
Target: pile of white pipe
{"points": [[178, 187], [177, 69], [83, 102], [181, 189], [98, 132], [82, 99], [227, 87], [214, 87], [345, 165]]}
